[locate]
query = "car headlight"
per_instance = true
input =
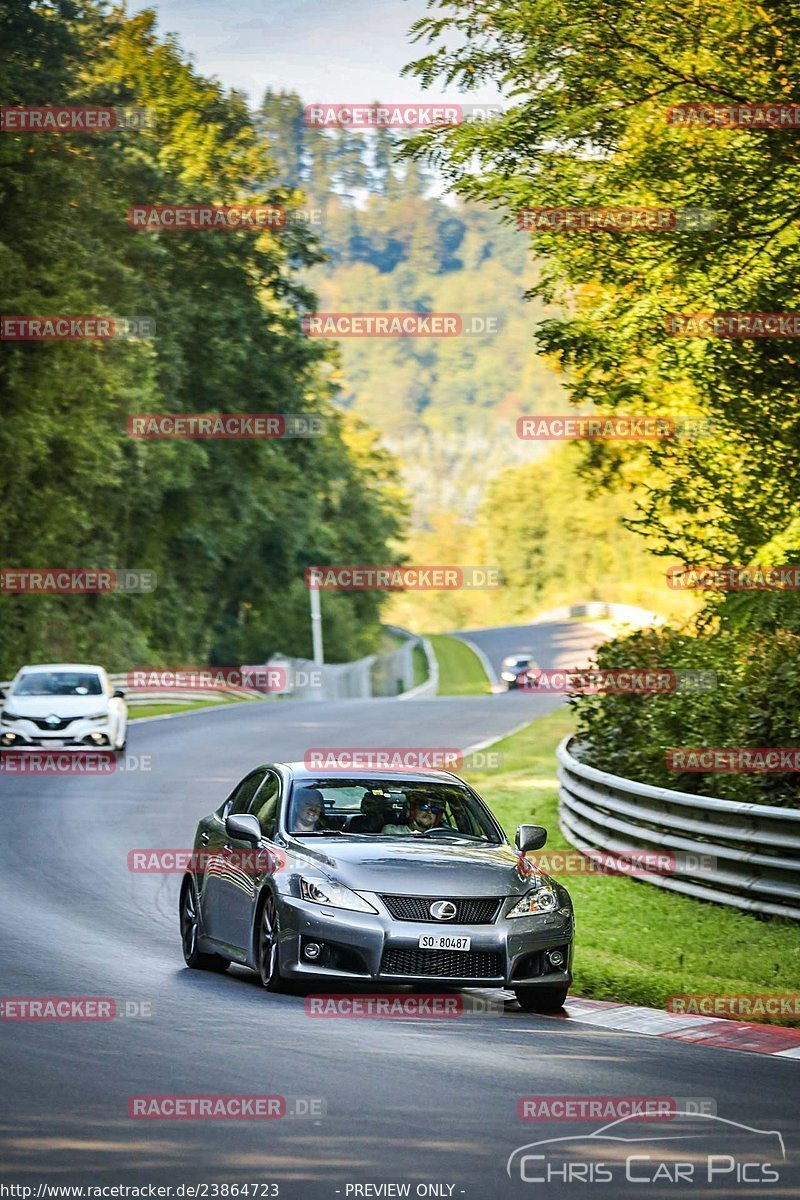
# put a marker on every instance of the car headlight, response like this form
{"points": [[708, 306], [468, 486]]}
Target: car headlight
{"points": [[333, 894], [9, 716], [540, 900], [94, 717]]}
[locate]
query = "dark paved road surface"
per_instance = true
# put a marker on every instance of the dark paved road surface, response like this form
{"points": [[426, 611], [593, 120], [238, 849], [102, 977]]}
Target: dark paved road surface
{"points": [[408, 1102]]}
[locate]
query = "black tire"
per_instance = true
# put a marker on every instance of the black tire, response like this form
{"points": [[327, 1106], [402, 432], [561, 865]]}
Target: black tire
{"points": [[190, 928], [542, 999], [267, 947]]}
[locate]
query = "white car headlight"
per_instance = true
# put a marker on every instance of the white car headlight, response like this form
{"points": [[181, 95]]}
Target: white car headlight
{"points": [[540, 900], [333, 894], [95, 717]]}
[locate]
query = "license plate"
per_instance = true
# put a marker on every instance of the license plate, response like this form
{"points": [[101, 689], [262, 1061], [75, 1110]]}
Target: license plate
{"points": [[443, 941]]}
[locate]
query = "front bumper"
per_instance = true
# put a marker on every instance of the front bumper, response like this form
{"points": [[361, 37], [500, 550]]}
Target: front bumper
{"points": [[378, 948], [80, 732]]}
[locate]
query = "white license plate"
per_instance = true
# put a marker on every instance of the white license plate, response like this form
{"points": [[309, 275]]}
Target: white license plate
{"points": [[443, 941]]}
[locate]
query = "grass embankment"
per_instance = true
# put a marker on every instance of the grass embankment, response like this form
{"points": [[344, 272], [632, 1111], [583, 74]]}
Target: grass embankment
{"points": [[461, 672], [175, 706], [634, 942]]}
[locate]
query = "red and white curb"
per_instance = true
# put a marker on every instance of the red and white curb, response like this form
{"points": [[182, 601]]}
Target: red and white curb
{"points": [[704, 1031]]}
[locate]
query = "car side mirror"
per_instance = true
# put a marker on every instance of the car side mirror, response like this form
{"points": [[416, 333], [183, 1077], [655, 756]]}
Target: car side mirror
{"points": [[530, 837], [119, 694], [243, 826]]}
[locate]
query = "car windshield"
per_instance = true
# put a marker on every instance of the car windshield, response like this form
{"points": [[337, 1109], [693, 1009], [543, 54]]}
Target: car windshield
{"points": [[58, 683], [389, 808]]}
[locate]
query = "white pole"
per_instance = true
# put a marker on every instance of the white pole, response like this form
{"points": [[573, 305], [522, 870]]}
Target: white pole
{"points": [[316, 626]]}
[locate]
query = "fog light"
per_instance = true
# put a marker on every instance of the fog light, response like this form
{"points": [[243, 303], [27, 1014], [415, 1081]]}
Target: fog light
{"points": [[555, 958], [312, 950]]}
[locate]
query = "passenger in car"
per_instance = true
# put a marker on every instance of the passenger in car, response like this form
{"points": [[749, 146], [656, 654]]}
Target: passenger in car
{"points": [[308, 809]]}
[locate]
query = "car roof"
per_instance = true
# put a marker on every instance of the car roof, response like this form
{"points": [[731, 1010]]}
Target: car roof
{"points": [[299, 771], [29, 668]]}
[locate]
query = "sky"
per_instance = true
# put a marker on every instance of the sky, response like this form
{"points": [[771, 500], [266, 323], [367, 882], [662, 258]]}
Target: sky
{"points": [[343, 51]]}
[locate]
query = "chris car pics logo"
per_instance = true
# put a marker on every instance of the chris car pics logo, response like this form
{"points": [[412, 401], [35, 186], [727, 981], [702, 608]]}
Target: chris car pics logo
{"points": [[699, 1150]]}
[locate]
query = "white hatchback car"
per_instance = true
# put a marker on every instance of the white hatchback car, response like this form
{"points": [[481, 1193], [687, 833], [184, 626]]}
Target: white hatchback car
{"points": [[63, 704]]}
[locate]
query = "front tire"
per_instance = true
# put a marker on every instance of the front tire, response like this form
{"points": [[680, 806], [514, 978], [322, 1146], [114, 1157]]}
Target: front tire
{"points": [[541, 999], [190, 932], [268, 947]]}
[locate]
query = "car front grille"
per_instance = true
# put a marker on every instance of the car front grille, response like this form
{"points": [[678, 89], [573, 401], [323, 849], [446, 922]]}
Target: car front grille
{"points": [[417, 908], [442, 964], [52, 727]]}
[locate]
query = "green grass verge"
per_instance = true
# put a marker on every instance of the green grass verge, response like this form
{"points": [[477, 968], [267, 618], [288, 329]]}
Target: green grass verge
{"points": [[634, 942], [461, 672], [159, 710], [419, 663]]}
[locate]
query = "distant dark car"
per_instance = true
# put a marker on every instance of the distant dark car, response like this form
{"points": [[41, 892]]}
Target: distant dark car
{"points": [[517, 671], [373, 877]]}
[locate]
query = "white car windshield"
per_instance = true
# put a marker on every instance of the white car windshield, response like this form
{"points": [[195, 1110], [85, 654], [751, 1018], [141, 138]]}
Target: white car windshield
{"points": [[58, 683]]}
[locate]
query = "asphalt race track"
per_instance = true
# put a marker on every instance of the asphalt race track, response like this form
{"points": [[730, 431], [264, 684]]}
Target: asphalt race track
{"points": [[405, 1101]]}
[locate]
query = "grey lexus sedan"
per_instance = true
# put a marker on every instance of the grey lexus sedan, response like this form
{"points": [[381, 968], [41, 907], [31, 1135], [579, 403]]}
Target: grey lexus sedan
{"points": [[373, 878]]}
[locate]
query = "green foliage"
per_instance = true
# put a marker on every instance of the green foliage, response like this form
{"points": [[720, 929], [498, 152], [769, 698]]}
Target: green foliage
{"points": [[588, 88], [756, 703], [635, 943], [228, 525]]}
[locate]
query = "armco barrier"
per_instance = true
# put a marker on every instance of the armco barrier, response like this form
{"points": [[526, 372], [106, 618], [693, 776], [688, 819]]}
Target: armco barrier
{"points": [[390, 674], [755, 848]]}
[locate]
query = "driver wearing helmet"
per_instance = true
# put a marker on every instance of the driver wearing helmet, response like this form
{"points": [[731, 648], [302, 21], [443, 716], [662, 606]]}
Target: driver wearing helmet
{"points": [[424, 813]]}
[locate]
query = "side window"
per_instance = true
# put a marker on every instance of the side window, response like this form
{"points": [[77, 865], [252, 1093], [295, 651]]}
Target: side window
{"points": [[240, 800], [265, 805]]}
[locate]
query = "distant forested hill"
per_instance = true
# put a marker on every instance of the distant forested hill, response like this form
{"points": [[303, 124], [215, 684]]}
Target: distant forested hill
{"points": [[446, 406]]}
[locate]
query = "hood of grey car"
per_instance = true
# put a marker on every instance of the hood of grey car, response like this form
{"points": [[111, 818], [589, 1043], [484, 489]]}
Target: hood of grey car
{"points": [[418, 867]]}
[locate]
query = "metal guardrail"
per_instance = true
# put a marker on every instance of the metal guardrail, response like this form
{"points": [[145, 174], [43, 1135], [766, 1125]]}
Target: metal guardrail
{"points": [[754, 848], [389, 674]]}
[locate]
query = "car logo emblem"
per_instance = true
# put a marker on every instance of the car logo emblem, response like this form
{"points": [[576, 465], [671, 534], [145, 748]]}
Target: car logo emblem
{"points": [[53, 719], [443, 910]]}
